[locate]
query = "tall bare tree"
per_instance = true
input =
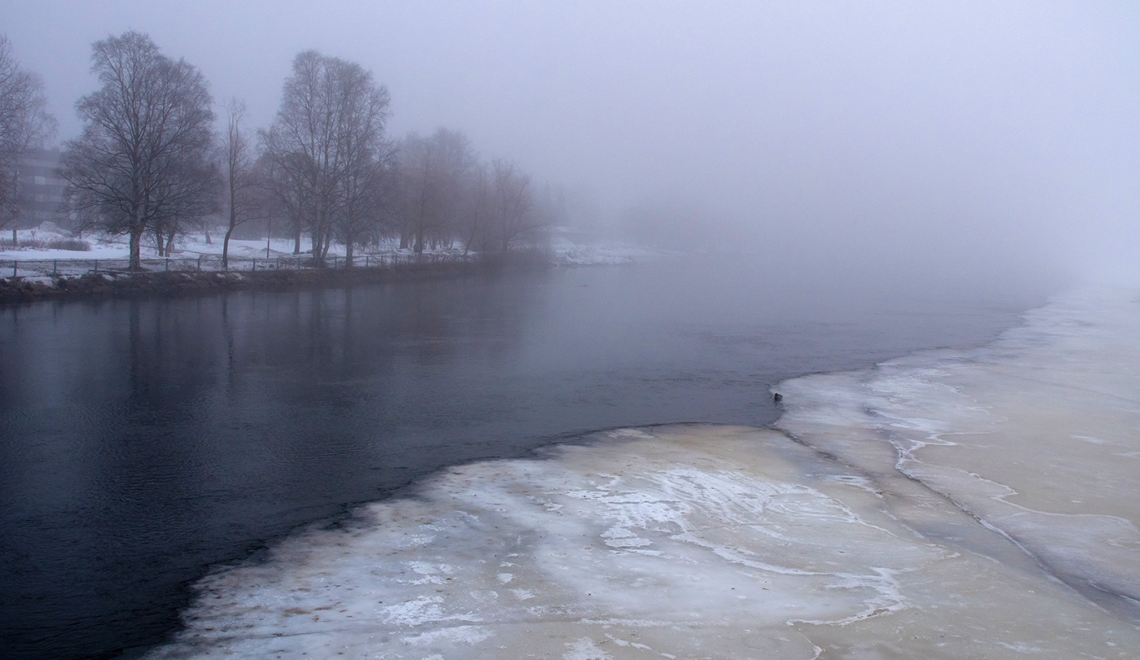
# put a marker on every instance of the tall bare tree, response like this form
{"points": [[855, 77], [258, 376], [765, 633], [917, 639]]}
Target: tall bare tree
{"points": [[24, 125], [363, 205], [283, 194], [237, 169], [432, 172], [457, 159], [475, 218], [367, 155], [143, 159], [418, 189], [512, 207], [324, 143]]}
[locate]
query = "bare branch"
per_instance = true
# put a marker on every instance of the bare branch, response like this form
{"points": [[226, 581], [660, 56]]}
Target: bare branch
{"points": [[24, 125], [142, 162]]}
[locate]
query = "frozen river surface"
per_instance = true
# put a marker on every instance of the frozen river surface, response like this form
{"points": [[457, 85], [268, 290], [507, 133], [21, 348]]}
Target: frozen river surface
{"points": [[949, 504]]}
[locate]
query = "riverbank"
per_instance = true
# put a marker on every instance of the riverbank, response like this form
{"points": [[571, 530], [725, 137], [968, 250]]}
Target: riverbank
{"points": [[101, 284], [37, 268]]}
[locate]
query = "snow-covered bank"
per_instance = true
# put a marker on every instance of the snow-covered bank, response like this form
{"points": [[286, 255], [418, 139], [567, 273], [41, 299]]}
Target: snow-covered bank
{"points": [[729, 542], [191, 282], [566, 252], [34, 270], [564, 249], [187, 246]]}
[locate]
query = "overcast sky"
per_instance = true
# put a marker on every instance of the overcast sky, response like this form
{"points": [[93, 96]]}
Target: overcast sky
{"points": [[974, 132]]}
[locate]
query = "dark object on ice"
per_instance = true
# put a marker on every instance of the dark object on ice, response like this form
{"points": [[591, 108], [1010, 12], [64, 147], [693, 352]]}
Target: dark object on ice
{"points": [[777, 397]]}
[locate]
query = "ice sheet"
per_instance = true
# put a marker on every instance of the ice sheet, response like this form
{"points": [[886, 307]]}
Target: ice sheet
{"points": [[1037, 435]]}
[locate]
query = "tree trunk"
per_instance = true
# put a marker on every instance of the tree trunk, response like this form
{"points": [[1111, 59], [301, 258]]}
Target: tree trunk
{"points": [[348, 252], [318, 255], [15, 239], [297, 242], [136, 239], [207, 230], [226, 249]]}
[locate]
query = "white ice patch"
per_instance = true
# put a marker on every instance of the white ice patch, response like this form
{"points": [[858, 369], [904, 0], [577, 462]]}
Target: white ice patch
{"points": [[585, 649], [458, 634], [424, 609]]}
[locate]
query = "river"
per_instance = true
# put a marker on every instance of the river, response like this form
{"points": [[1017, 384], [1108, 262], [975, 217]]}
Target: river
{"points": [[143, 441]]}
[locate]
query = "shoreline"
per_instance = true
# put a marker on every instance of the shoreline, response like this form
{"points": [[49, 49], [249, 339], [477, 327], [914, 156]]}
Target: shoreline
{"points": [[124, 284]]}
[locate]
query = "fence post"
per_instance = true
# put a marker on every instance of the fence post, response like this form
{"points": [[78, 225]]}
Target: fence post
{"points": [[15, 264], [54, 266]]}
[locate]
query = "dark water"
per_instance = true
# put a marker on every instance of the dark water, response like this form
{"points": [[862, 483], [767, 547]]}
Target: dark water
{"points": [[143, 440]]}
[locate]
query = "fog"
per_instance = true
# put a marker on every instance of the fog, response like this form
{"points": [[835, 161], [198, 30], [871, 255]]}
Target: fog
{"points": [[955, 142]]}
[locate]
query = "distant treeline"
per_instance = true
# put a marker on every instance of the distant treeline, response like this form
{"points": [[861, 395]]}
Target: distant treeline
{"points": [[150, 165]]}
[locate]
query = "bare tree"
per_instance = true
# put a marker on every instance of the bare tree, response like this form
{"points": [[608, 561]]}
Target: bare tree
{"points": [[366, 155], [512, 208], [475, 218], [328, 135], [142, 161], [283, 194], [418, 185], [363, 205], [456, 159], [24, 125], [446, 194], [237, 167], [432, 172]]}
